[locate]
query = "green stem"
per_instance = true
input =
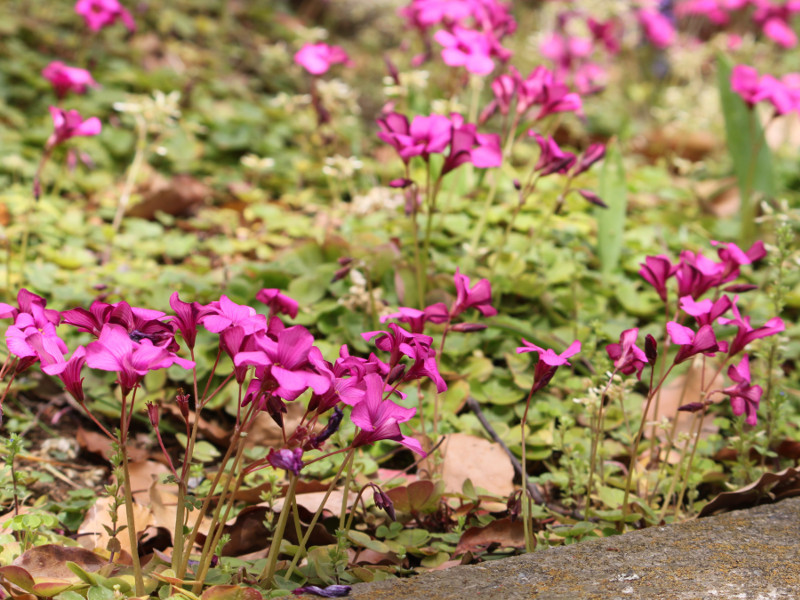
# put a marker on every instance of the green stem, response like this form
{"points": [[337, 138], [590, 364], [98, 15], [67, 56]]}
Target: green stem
{"points": [[347, 482], [526, 512], [595, 443], [268, 574]]}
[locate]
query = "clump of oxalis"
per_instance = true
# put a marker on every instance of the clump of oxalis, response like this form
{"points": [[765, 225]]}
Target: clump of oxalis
{"points": [[634, 472]]}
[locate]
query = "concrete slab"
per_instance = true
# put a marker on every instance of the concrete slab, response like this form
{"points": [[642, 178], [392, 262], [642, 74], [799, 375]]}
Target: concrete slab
{"points": [[749, 555]]}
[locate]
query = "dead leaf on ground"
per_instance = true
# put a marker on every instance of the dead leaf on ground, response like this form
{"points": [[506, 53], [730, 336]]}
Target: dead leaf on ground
{"points": [[50, 560], [92, 535], [175, 196], [98, 443], [502, 532], [671, 141], [770, 487], [209, 430], [483, 462], [231, 592]]}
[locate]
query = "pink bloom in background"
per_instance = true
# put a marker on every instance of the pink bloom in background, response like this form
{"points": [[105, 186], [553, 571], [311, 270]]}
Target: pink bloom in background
{"points": [[478, 296], [657, 28], [548, 362], [627, 356], [466, 48], [552, 159], [278, 302], [656, 270], [783, 94], [318, 58], [101, 13], [68, 79], [744, 397], [747, 333], [779, 31], [69, 124]]}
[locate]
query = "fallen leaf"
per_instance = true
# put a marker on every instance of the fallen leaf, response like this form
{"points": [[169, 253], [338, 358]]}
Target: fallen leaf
{"points": [[483, 462], [98, 443], [770, 487], [92, 535], [502, 532], [175, 196], [50, 560]]}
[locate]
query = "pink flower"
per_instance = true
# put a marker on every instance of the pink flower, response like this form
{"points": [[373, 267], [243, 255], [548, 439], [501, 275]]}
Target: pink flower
{"points": [[278, 302], [479, 296], [379, 419], [548, 362], [627, 357], [115, 351], [69, 372], [69, 124], [706, 311], [747, 333], [318, 58], [188, 315], [226, 313], [101, 13], [656, 270], [552, 159], [780, 32], [744, 397], [68, 79], [289, 460], [466, 48], [702, 342], [657, 28]]}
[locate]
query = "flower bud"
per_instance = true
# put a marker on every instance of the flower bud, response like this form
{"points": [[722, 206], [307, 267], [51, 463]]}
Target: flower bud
{"points": [[650, 348]]}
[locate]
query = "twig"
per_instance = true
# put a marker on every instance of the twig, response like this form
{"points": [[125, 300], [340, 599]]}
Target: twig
{"points": [[532, 487]]}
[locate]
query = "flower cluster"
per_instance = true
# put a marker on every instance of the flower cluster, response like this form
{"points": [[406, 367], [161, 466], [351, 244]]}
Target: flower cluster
{"points": [[470, 30], [273, 364], [783, 94], [436, 134], [696, 276]]}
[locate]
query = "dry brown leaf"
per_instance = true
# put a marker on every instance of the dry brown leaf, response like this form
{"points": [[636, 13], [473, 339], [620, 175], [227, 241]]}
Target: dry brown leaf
{"points": [[210, 430], [50, 561], [769, 488], [92, 535], [266, 433], [98, 443], [502, 532], [483, 462], [175, 196]]}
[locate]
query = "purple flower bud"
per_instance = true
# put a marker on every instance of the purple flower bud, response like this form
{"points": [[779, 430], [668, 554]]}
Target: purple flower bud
{"points": [[593, 198], [332, 427], [384, 502], [289, 460], [182, 400], [517, 185], [693, 406], [400, 183], [468, 327], [650, 348], [152, 414], [340, 274], [739, 288]]}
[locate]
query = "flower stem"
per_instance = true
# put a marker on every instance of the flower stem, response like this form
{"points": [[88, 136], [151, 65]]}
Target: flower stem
{"points": [[268, 574]]}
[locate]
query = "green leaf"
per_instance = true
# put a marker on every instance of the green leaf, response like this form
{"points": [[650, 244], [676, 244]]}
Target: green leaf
{"points": [[745, 137], [613, 191]]}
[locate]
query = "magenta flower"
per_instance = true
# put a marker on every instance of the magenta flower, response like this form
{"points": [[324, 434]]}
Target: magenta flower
{"points": [[318, 58], [101, 13], [744, 397], [330, 591], [68, 79], [466, 48], [28, 302], [478, 297], [696, 274], [702, 342], [746, 333], [278, 302], [706, 311], [467, 145], [69, 124], [542, 88], [116, 351], [226, 313], [656, 27], [552, 159], [548, 362], [423, 137], [289, 460], [628, 358], [416, 319], [379, 419], [69, 372], [188, 315], [35, 341], [592, 154]]}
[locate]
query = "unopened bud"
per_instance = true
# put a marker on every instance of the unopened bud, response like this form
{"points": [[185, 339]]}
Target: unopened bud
{"points": [[182, 400], [383, 501], [152, 414], [468, 327], [650, 348], [739, 288]]}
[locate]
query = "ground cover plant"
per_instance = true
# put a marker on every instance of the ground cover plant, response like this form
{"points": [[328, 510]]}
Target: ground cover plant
{"points": [[304, 294]]}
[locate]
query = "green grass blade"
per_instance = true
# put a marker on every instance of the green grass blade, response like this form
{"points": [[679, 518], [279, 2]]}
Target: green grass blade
{"points": [[611, 221]]}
